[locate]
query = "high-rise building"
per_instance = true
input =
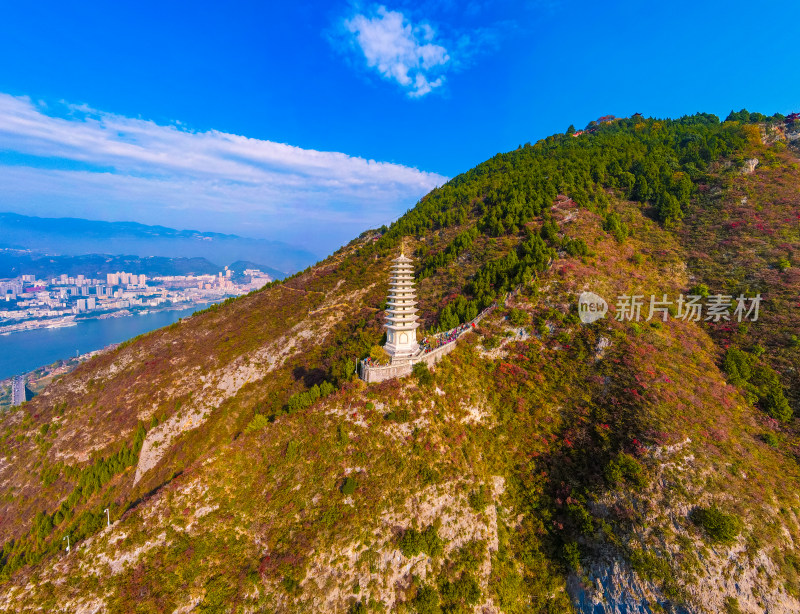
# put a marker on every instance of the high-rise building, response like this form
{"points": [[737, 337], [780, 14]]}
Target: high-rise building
{"points": [[13, 287], [19, 393]]}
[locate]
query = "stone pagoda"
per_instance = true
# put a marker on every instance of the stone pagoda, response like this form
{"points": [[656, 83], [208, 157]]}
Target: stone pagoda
{"points": [[401, 312]]}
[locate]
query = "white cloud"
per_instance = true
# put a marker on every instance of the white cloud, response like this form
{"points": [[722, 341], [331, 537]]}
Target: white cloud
{"points": [[138, 170], [399, 50]]}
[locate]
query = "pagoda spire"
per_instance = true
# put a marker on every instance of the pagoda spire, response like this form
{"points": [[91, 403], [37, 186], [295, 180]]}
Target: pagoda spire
{"points": [[401, 313]]}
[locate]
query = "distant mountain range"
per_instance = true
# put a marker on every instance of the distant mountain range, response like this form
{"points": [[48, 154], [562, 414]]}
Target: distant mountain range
{"points": [[77, 237], [15, 262]]}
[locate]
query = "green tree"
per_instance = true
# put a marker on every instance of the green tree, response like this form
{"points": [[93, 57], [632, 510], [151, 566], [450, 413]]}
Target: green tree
{"points": [[379, 355], [423, 374], [349, 486], [641, 191], [614, 225], [460, 595], [426, 601], [718, 525], [518, 317]]}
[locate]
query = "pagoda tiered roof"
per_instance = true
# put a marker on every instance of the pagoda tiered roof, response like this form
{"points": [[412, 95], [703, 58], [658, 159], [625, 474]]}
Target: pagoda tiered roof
{"points": [[401, 313]]}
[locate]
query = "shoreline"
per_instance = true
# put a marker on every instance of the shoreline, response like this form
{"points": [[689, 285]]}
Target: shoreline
{"points": [[48, 373], [39, 373], [61, 322], [73, 320]]}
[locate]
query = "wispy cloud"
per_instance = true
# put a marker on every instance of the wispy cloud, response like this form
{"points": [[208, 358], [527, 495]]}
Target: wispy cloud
{"points": [[399, 50], [137, 169]]}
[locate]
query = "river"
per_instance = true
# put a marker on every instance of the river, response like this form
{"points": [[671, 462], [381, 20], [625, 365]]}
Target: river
{"points": [[25, 351]]}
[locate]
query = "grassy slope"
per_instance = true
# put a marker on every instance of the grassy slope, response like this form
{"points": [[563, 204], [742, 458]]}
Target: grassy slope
{"points": [[257, 518], [736, 239]]}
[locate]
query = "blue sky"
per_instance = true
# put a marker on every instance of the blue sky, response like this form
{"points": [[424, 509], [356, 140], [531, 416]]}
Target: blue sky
{"points": [[309, 122]]}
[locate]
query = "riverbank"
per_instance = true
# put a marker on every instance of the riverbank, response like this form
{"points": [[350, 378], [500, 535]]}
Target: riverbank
{"points": [[28, 350], [38, 379], [38, 324], [72, 320]]}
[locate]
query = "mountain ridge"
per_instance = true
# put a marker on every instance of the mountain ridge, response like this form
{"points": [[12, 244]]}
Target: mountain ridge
{"points": [[15, 262], [78, 236]]}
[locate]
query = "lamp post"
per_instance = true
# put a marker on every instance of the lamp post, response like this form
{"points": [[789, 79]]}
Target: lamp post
{"points": [[108, 516], [67, 538]]}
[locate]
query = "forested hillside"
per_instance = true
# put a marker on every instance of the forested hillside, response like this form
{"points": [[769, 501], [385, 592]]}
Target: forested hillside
{"points": [[545, 465]]}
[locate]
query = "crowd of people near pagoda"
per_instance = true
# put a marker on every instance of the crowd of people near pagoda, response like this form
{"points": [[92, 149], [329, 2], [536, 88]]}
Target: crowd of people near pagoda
{"points": [[433, 342]]}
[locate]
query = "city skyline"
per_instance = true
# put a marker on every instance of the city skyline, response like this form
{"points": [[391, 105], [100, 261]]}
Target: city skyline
{"points": [[27, 303]]}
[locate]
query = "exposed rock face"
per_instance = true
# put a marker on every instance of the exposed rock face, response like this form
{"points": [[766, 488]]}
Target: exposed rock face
{"points": [[614, 588], [390, 571], [749, 166], [600, 349], [217, 387]]}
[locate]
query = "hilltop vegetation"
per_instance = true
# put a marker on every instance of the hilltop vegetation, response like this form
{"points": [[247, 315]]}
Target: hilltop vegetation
{"points": [[245, 468]]}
